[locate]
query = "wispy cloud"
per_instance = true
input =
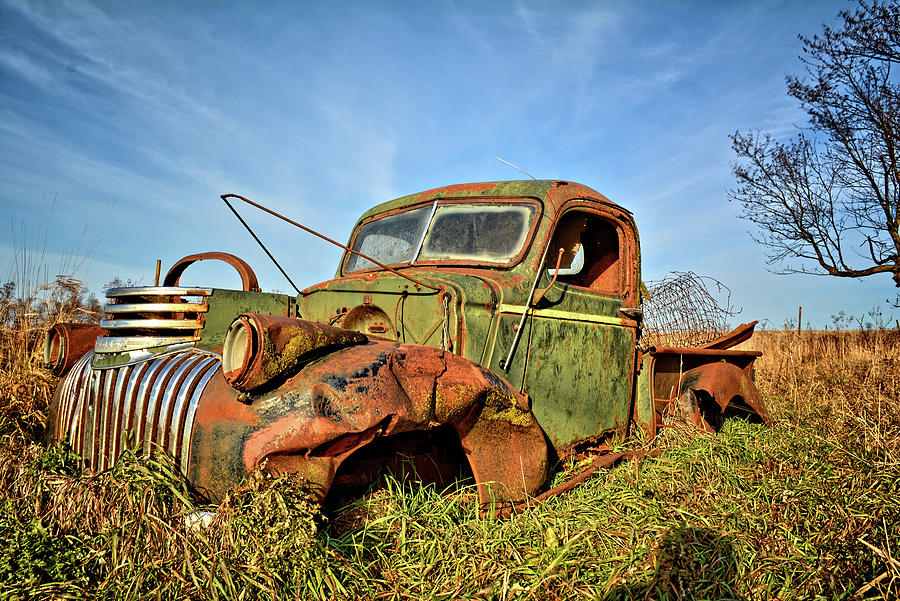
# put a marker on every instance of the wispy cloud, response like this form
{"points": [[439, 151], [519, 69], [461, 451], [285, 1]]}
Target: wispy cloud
{"points": [[118, 56], [323, 109], [27, 68]]}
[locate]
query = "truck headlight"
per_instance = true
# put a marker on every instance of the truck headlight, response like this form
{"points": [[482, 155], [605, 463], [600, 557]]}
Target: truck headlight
{"points": [[54, 349], [65, 343], [261, 348], [239, 351]]}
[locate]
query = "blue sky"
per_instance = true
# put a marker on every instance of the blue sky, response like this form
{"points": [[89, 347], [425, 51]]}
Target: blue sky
{"points": [[122, 122]]}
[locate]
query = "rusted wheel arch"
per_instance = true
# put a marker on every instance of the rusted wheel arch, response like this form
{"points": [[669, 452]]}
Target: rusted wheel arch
{"points": [[712, 392], [417, 387]]}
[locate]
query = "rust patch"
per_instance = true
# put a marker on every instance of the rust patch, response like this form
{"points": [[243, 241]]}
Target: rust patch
{"points": [[219, 404]]}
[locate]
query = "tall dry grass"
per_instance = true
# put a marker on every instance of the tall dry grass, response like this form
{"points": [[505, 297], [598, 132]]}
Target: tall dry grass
{"points": [[845, 382], [31, 302], [25, 317]]}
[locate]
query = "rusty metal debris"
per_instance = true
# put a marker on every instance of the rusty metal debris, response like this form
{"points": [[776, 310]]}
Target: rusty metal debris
{"points": [[705, 385], [605, 459]]}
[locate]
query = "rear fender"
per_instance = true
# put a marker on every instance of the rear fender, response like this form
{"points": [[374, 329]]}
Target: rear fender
{"points": [[719, 380], [727, 386]]}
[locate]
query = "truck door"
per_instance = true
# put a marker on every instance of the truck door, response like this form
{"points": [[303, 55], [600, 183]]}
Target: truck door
{"points": [[580, 348]]}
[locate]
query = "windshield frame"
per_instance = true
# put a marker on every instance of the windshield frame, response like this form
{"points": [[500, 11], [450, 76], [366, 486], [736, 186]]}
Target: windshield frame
{"points": [[451, 200]]}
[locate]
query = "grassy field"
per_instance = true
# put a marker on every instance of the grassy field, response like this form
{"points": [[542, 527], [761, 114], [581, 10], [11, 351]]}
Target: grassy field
{"points": [[808, 508]]}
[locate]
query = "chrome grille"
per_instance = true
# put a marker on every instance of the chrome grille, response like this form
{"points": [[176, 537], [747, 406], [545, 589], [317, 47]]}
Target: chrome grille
{"points": [[152, 403], [143, 321]]}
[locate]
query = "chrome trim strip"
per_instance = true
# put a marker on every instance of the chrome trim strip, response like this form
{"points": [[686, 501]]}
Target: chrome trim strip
{"points": [[105, 406], [67, 400], [128, 414], [179, 414], [143, 399], [64, 394], [192, 412], [163, 324], [169, 395], [65, 413], [158, 308], [141, 356], [118, 344], [568, 315], [90, 437], [151, 413], [84, 392], [157, 291], [93, 414], [124, 376], [80, 390]]}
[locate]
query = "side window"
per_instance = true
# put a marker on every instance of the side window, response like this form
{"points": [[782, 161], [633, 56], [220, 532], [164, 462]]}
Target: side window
{"points": [[591, 253]]}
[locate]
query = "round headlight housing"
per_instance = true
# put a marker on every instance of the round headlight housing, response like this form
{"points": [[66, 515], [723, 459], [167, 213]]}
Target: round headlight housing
{"points": [[260, 348], [239, 350], [54, 349], [65, 343]]}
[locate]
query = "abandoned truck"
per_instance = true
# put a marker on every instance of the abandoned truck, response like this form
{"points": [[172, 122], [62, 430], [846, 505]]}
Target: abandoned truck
{"points": [[493, 324]]}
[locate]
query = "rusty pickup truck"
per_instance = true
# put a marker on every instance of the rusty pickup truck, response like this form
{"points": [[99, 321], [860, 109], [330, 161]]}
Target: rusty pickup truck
{"points": [[493, 326]]}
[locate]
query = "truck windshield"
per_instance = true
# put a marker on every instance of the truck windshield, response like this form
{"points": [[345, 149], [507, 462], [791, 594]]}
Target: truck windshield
{"points": [[466, 232]]}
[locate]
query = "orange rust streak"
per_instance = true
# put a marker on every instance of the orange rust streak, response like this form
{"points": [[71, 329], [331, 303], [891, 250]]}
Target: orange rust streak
{"points": [[447, 190], [219, 403]]}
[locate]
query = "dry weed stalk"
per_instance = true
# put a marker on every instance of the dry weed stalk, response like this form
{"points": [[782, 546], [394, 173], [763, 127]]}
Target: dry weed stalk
{"points": [[846, 380]]}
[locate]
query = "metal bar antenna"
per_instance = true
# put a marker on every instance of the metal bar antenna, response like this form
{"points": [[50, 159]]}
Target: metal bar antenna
{"points": [[225, 197], [258, 241], [516, 167]]}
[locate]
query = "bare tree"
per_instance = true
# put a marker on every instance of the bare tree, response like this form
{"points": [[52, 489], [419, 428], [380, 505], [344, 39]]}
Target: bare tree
{"points": [[827, 201]]}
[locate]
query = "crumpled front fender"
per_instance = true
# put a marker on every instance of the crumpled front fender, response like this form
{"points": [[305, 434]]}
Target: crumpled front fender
{"points": [[337, 404]]}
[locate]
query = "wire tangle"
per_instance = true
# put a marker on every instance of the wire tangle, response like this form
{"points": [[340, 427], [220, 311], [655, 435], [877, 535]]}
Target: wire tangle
{"points": [[681, 310]]}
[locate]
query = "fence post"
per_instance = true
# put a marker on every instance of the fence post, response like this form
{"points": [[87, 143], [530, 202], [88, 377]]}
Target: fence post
{"points": [[799, 319]]}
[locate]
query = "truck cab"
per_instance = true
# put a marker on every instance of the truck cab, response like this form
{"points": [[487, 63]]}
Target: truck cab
{"points": [[487, 247]]}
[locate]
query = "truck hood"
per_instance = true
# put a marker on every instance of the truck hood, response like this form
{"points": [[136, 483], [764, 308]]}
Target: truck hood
{"points": [[386, 305]]}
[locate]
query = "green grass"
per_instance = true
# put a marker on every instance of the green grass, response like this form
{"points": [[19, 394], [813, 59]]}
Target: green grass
{"points": [[750, 513], [791, 511]]}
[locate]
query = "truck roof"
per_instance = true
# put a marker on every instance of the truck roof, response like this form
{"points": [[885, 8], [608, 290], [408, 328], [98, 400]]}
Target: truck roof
{"points": [[552, 192]]}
